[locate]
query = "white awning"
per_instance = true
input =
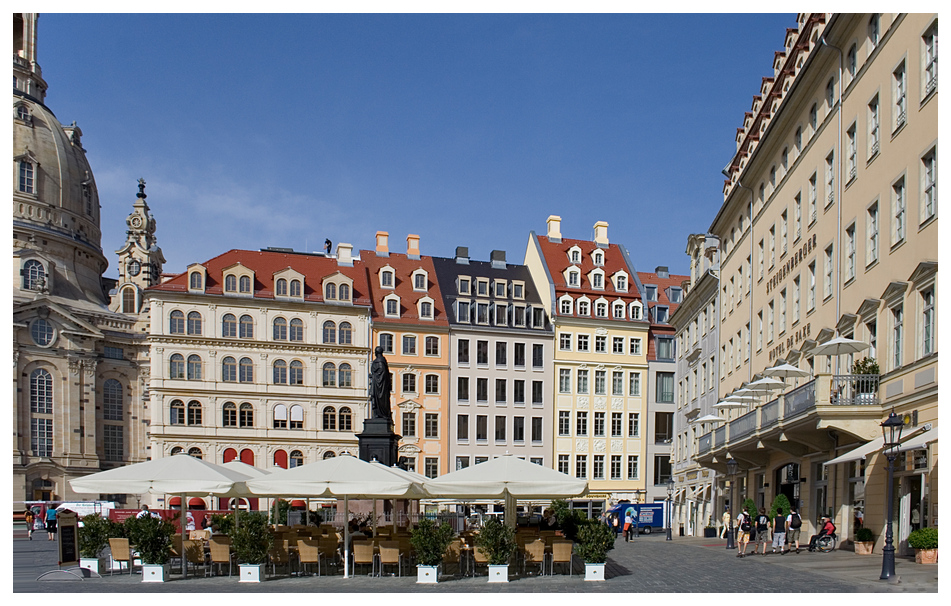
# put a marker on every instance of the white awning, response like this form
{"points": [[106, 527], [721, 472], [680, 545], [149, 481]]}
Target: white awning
{"points": [[859, 453], [921, 441]]}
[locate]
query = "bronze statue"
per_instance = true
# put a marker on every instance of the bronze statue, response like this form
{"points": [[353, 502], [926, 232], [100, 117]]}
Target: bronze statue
{"points": [[380, 387]]}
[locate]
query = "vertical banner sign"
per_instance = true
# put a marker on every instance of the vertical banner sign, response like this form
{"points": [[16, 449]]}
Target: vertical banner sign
{"points": [[68, 539]]}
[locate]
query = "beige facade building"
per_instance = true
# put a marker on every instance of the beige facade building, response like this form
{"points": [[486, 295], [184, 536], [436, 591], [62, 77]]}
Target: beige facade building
{"points": [[829, 228]]}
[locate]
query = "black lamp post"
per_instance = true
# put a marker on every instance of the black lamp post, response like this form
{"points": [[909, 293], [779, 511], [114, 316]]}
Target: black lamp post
{"points": [[670, 509], [731, 470], [891, 431]]}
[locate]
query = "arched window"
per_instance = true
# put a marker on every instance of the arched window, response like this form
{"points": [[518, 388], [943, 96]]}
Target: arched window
{"points": [[194, 280], [280, 458], [176, 323], [194, 451], [33, 275], [345, 334], [345, 376], [297, 417], [330, 419], [281, 289], [329, 371], [344, 292], [295, 288], [280, 329], [329, 454], [194, 323], [280, 417], [331, 292], [23, 112], [345, 420], [246, 327], [41, 392], [247, 456], [229, 370], [297, 458], [177, 450], [635, 311], [112, 400], [176, 413], [176, 366], [229, 326], [194, 413], [598, 258], [330, 332], [246, 415], [230, 454], [128, 300], [280, 372], [246, 371], [296, 374], [229, 415], [244, 284], [231, 283], [26, 177], [297, 330], [194, 368]]}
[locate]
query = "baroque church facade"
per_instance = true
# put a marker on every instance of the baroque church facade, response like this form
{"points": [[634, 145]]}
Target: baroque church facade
{"points": [[80, 353]]}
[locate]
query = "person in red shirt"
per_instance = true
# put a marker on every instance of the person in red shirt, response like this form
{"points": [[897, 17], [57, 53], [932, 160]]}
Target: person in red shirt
{"points": [[827, 529]]}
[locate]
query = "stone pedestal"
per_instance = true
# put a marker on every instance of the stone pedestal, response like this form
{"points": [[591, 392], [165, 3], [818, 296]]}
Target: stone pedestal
{"points": [[379, 441]]}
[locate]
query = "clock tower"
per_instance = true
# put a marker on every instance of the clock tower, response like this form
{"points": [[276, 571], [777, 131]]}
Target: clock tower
{"points": [[140, 258]]}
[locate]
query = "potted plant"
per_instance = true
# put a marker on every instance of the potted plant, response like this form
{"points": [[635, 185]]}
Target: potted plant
{"points": [[595, 540], [93, 539], [152, 538], [709, 532], [430, 541], [864, 541], [925, 543], [251, 541], [497, 542], [864, 389]]}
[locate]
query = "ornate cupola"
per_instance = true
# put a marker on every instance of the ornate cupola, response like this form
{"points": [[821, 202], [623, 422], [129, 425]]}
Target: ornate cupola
{"points": [[140, 258]]}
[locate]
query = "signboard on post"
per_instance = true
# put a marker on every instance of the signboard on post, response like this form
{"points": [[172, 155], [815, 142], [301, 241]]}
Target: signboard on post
{"points": [[68, 538]]}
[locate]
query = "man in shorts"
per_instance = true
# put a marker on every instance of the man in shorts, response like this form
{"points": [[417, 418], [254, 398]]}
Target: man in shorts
{"points": [[744, 524], [779, 531], [763, 524], [793, 524]]}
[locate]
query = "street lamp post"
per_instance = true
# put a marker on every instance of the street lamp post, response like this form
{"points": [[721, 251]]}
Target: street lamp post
{"points": [[670, 509], [731, 470], [891, 431]]}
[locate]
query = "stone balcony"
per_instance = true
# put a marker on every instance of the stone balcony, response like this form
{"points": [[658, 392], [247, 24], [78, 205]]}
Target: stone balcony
{"points": [[806, 420]]}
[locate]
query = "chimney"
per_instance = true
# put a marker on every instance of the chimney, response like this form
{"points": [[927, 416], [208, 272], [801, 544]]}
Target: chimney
{"points": [[601, 234], [345, 254], [462, 255], [662, 271], [382, 244], [554, 228], [498, 259], [412, 246]]}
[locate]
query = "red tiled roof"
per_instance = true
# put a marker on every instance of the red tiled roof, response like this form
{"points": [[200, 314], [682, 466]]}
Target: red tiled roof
{"points": [[265, 264], [403, 268]]}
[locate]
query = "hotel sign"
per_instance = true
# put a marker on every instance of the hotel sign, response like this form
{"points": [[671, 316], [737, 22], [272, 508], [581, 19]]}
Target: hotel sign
{"points": [[785, 270], [791, 341]]}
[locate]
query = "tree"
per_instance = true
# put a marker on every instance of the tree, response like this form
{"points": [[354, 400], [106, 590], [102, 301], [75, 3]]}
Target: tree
{"points": [[780, 501]]}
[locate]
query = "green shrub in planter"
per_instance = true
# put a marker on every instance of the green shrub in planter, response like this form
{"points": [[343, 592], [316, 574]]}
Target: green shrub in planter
{"points": [[94, 535], [430, 541], [496, 541], [923, 538], [595, 540], [568, 520], [251, 540], [864, 535], [781, 501], [222, 523], [750, 506], [151, 537]]}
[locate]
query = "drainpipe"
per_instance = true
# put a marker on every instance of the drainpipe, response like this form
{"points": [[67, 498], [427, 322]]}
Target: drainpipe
{"points": [[838, 177]]}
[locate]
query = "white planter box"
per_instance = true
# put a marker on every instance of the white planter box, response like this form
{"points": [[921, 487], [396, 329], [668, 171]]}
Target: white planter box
{"points": [[593, 572], [427, 574], [499, 574], [250, 573], [97, 565], [155, 573]]}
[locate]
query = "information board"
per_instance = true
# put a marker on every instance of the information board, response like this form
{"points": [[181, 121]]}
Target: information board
{"points": [[68, 538]]}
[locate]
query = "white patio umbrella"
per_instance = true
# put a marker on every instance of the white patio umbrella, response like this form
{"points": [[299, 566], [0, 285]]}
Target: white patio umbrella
{"points": [[839, 346], [507, 477], [709, 419], [344, 476], [786, 371], [729, 404]]}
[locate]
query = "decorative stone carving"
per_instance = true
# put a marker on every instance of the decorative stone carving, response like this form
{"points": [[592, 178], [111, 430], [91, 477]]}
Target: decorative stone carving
{"points": [[583, 402], [583, 367], [581, 445], [617, 446], [159, 349], [212, 307], [599, 446], [212, 353], [409, 449], [90, 367], [74, 365], [599, 367], [600, 403], [601, 331], [617, 403], [264, 355]]}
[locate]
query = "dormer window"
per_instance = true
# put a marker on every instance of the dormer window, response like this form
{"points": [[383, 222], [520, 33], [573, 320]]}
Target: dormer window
{"points": [[676, 294], [601, 309], [231, 283], [26, 183], [564, 306], [584, 307], [651, 292], [574, 278], [419, 280], [598, 258], [296, 288], [574, 255], [392, 306], [501, 288], [331, 290], [636, 311], [281, 288], [518, 290], [244, 284], [425, 306], [597, 279], [463, 286], [386, 278], [660, 314], [22, 112], [618, 307], [620, 283], [482, 288], [344, 292], [194, 280]]}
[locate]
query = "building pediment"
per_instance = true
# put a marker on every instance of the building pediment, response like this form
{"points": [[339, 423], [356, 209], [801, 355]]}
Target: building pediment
{"points": [[868, 310], [68, 323], [894, 291], [925, 271]]}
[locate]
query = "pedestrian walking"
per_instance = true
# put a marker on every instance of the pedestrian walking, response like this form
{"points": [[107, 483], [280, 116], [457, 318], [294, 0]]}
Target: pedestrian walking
{"points": [[51, 524], [744, 524], [29, 518], [779, 531], [793, 524], [628, 525], [725, 520], [763, 526]]}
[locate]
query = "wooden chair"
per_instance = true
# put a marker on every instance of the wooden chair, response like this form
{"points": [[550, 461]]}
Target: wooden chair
{"points": [[220, 547], [453, 555], [328, 551], [561, 554], [308, 552], [194, 554], [279, 556], [363, 554], [121, 552], [390, 555], [176, 549], [534, 553], [479, 559]]}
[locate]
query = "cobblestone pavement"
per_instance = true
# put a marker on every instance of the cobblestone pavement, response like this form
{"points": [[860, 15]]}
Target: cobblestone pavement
{"points": [[646, 565]]}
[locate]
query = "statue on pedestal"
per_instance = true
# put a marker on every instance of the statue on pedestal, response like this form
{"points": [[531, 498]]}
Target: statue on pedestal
{"points": [[380, 387]]}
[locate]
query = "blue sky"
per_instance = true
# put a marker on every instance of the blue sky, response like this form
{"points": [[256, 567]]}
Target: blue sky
{"points": [[469, 130]]}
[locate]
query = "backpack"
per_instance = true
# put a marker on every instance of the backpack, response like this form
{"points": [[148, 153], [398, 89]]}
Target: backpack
{"points": [[745, 523], [796, 521]]}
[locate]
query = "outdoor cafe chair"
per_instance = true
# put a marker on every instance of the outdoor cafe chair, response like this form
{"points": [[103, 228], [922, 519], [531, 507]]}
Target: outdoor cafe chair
{"points": [[561, 554], [279, 556], [121, 552], [390, 556], [194, 554], [308, 552], [176, 549], [363, 554], [479, 559], [534, 553], [220, 547], [453, 555], [328, 551]]}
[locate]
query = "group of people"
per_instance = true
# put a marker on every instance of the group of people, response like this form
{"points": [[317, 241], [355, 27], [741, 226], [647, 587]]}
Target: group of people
{"points": [[784, 530], [32, 523]]}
